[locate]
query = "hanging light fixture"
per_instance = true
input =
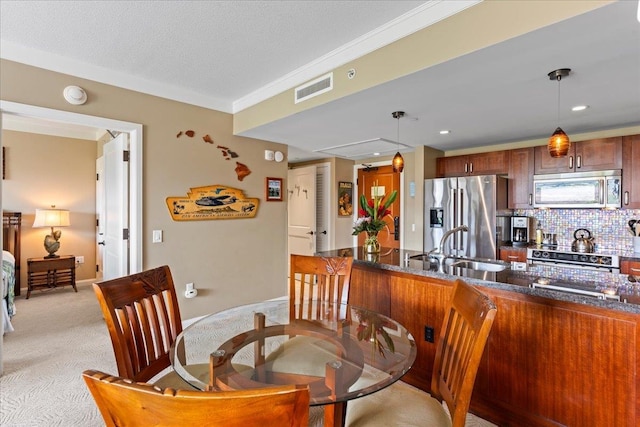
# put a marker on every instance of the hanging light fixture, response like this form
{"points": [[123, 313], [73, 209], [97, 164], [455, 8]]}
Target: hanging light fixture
{"points": [[398, 161], [559, 143]]}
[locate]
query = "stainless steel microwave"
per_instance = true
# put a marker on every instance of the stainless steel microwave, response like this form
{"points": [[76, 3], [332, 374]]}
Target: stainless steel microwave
{"points": [[601, 189]]}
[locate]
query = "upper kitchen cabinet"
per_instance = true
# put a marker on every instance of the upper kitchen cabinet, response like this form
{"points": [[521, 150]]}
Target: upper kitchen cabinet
{"points": [[631, 172], [491, 163], [521, 178], [584, 156]]}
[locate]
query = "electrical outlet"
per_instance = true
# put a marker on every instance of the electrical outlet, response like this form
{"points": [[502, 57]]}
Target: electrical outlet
{"points": [[79, 260], [429, 334]]}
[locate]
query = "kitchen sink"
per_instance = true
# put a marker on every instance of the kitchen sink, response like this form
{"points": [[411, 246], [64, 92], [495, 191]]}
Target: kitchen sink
{"points": [[451, 264], [473, 264]]}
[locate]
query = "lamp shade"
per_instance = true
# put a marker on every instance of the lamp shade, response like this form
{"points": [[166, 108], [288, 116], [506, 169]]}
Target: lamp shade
{"points": [[398, 162], [559, 144], [51, 218]]}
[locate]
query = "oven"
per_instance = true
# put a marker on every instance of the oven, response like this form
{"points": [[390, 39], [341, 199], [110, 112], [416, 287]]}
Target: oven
{"points": [[567, 258], [603, 262]]}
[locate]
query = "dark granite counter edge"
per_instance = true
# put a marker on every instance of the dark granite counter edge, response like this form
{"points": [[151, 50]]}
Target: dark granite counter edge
{"points": [[561, 296], [555, 295]]}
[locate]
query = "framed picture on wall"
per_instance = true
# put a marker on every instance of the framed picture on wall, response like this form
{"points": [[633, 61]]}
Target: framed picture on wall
{"points": [[274, 189], [345, 198]]}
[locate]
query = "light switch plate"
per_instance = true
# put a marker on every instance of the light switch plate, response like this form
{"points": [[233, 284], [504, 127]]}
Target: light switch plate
{"points": [[157, 236]]}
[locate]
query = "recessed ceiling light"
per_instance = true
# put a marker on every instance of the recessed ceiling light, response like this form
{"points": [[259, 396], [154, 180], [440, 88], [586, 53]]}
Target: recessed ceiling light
{"points": [[580, 108], [445, 132], [376, 154]]}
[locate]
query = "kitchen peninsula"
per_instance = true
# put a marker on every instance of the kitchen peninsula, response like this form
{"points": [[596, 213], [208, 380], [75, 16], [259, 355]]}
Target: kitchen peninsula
{"points": [[552, 358]]}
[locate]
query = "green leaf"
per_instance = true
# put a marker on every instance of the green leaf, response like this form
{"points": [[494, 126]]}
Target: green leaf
{"points": [[388, 340], [391, 199]]}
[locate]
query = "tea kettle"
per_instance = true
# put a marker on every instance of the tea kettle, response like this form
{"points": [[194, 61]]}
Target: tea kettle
{"points": [[583, 242]]}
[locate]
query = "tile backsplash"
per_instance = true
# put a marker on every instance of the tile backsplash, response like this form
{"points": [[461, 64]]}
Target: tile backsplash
{"points": [[609, 228]]}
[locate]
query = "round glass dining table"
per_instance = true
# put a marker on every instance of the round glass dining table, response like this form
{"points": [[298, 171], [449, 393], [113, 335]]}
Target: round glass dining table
{"points": [[340, 351]]}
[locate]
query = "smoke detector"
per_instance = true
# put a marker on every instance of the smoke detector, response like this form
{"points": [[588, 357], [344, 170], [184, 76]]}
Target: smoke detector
{"points": [[75, 95]]}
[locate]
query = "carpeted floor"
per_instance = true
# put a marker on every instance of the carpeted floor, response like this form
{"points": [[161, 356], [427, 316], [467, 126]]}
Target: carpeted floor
{"points": [[58, 334]]}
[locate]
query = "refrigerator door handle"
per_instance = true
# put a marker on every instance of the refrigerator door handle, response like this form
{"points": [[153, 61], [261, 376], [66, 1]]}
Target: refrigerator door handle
{"points": [[454, 216], [461, 207]]}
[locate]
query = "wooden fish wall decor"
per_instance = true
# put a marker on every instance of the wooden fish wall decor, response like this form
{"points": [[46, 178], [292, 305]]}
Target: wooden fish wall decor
{"points": [[212, 202]]}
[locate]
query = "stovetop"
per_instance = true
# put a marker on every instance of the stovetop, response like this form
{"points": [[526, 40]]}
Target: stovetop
{"points": [[607, 261]]}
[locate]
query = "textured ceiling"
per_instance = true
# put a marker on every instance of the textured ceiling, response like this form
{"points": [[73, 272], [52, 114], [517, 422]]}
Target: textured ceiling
{"points": [[218, 50]]}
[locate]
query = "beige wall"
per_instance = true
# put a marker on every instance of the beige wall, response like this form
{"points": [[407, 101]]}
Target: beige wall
{"points": [[47, 170], [231, 262]]}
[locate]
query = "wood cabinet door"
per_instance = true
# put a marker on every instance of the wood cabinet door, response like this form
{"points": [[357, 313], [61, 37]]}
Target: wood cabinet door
{"points": [[544, 163], [491, 163], [521, 169], [584, 156], [631, 172], [452, 166], [598, 154]]}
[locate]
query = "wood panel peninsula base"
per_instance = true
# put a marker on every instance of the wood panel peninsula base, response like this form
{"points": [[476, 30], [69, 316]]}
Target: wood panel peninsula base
{"points": [[550, 360], [51, 273]]}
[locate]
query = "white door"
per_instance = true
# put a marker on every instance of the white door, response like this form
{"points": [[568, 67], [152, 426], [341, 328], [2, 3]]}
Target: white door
{"points": [[100, 217], [323, 208], [116, 208], [301, 186]]}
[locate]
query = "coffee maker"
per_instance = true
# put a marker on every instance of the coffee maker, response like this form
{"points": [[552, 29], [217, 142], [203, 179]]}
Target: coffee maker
{"points": [[522, 230]]}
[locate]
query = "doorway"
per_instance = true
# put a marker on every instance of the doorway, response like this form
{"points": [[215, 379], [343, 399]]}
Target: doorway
{"points": [[134, 130], [381, 180]]}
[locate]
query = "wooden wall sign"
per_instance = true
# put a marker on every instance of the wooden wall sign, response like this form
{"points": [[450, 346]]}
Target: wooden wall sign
{"points": [[212, 202]]}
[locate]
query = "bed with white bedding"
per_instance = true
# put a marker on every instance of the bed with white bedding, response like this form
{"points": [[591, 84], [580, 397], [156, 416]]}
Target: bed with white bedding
{"points": [[10, 285], [6, 290]]}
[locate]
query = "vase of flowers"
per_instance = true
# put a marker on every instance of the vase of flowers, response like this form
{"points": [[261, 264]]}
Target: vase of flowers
{"points": [[371, 219], [371, 243]]}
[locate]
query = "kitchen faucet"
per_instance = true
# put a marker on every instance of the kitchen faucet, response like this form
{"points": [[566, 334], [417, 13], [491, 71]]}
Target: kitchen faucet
{"points": [[439, 253]]}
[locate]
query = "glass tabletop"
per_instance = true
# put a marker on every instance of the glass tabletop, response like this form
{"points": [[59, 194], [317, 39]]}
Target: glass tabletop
{"points": [[340, 351]]}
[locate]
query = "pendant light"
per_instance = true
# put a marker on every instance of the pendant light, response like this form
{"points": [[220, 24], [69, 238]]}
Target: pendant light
{"points": [[559, 143], [398, 161]]}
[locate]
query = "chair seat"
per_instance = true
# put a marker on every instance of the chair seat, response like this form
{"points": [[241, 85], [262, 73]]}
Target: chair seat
{"points": [[398, 405]]}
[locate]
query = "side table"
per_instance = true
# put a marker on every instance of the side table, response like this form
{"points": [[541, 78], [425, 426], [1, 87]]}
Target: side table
{"points": [[51, 272]]}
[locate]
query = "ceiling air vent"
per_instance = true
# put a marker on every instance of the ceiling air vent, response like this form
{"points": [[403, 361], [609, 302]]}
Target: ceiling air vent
{"points": [[314, 88]]}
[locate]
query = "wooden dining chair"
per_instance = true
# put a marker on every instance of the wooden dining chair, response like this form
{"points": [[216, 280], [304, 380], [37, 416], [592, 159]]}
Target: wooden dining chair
{"points": [[315, 281], [124, 403], [468, 320], [143, 317]]}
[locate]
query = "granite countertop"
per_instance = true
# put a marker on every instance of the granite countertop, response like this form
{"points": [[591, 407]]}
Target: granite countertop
{"points": [[398, 260]]}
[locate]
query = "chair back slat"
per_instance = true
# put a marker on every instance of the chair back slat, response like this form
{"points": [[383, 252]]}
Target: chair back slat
{"points": [[465, 331], [123, 403], [143, 317], [316, 280]]}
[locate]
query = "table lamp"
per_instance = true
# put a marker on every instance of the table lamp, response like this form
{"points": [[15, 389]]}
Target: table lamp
{"points": [[52, 218]]}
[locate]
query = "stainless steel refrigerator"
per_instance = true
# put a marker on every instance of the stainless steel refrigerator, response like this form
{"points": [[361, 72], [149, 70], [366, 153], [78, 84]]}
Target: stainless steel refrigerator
{"points": [[479, 202]]}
